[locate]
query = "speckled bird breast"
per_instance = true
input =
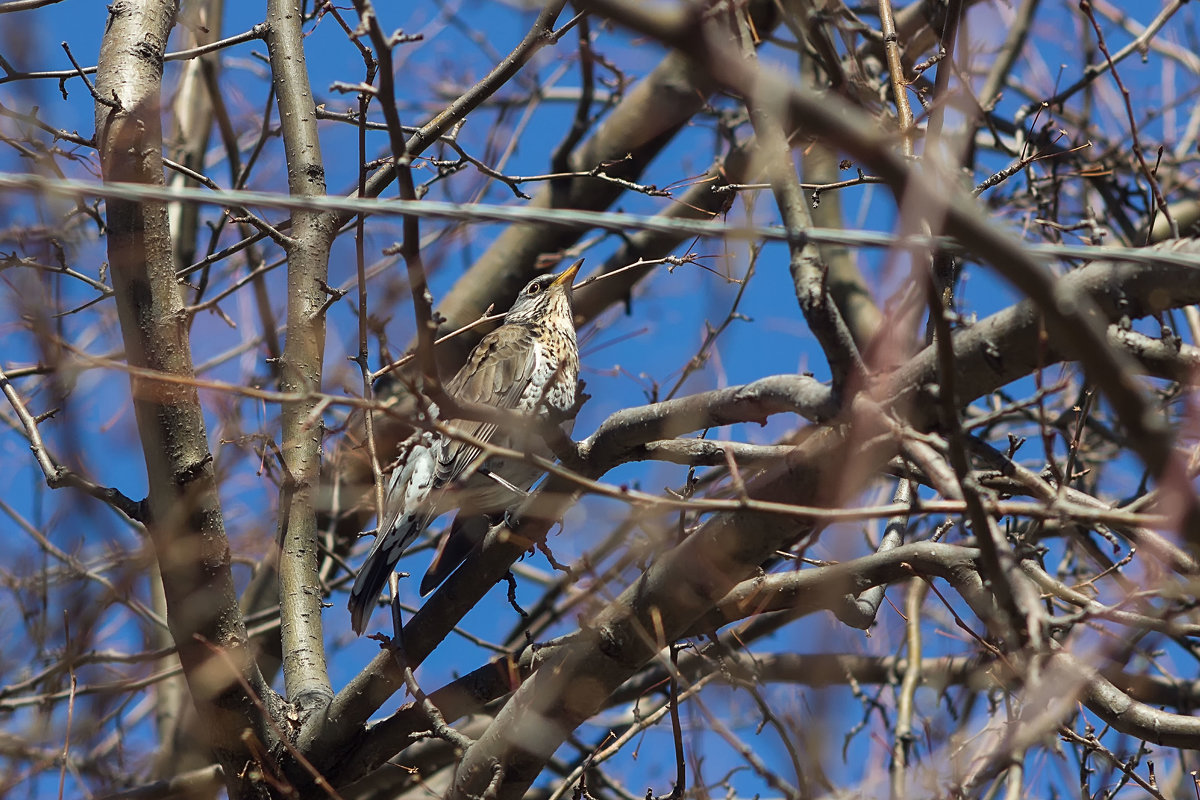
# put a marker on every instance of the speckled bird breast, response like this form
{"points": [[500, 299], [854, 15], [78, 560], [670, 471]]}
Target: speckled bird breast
{"points": [[554, 380]]}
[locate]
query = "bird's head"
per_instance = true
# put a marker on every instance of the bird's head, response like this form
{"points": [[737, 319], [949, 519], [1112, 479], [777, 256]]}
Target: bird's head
{"points": [[544, 295]]}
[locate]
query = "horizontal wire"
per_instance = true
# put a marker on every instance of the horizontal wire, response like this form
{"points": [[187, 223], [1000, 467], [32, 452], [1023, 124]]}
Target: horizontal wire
{"points": [[568, 218]]}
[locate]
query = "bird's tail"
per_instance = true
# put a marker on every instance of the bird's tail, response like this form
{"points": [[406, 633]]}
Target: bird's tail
{"points": [[456, 544], [380, 562]]}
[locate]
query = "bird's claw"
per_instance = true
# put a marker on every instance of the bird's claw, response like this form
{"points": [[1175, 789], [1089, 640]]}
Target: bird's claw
{"points": [[512, 519], [385, 642]]}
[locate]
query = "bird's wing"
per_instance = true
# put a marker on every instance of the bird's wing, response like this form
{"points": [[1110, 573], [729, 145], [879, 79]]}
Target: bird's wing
{"points": [[496, 374], [407, 512]]}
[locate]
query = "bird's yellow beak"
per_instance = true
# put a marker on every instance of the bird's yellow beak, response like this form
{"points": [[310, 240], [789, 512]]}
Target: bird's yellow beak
{"points": [[568, 277]]}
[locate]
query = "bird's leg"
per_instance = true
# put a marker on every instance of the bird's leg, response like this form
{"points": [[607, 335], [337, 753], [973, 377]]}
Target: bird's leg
{"points": [[397, 624]]}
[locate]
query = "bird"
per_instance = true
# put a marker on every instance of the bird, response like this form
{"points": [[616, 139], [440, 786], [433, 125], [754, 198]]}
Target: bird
{"points": [[528, 365]]}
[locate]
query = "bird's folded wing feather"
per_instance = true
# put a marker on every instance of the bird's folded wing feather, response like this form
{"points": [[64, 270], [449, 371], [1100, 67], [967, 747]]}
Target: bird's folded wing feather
{"points": [[496, 374]]}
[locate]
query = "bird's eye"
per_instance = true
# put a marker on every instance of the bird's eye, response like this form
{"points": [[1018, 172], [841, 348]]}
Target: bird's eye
{"points": [[533, 288]]}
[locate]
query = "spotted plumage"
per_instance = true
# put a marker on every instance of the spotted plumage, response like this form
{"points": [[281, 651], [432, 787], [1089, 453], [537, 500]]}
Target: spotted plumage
{"points": [[530, 365]]}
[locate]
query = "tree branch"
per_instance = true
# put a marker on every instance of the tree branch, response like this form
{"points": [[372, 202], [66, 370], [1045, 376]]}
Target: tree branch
{"points": [[185, 524], [306, 675]]}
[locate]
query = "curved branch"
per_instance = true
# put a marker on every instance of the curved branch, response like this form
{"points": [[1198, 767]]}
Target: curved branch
{"points": [[625, 430]]}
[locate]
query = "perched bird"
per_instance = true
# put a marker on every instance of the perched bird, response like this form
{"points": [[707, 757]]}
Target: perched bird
{"points": [[530, 365]]}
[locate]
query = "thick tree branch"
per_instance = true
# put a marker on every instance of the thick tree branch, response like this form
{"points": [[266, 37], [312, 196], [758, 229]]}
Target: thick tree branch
{"points": [[185, 523], [305, 672]]}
